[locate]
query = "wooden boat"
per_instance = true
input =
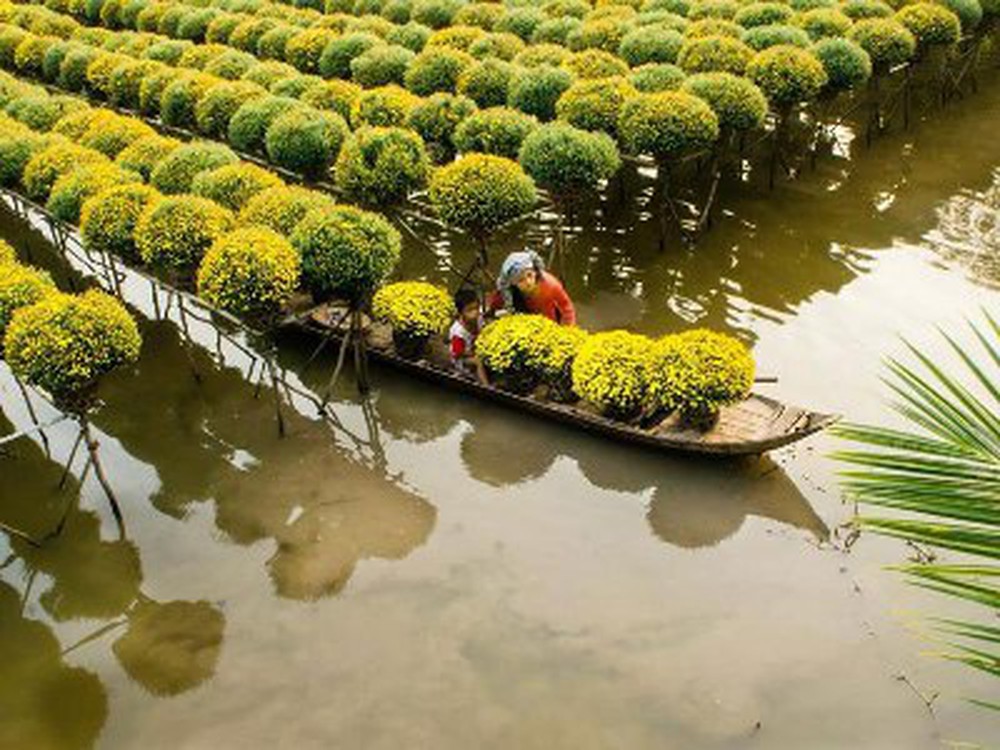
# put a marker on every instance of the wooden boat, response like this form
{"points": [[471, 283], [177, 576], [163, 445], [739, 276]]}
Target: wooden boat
{"points": [[752, 427]]}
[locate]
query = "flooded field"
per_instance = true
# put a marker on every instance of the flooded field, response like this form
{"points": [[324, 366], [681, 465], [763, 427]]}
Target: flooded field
{"points": [[435, 572]]}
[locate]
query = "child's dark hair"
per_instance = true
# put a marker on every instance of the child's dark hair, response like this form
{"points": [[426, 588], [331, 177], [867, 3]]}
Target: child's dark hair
{"points": [[464, 297]]}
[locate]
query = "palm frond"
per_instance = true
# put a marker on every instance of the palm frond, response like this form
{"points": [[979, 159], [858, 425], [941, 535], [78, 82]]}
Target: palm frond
{"points": [[943, 472]]}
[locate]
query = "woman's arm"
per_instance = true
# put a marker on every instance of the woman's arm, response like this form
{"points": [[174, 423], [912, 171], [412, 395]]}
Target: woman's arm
{"points": [[567, 313]]}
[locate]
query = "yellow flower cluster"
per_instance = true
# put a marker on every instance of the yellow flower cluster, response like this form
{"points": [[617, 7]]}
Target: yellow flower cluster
{"points": [[414, 308], [610, 371], [20, 286], [44, 168], [73, 188], [143, 155], [385, 106], [251, 272], [233, 185], [666, 124], [108, 219], [282, 208], [698, 371], [65, 343], [174, 233], [111, 136], [7, 253], [479, 192]]}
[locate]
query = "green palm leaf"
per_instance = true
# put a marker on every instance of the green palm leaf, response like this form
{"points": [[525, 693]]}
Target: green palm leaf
{"points": [[943, 472]]}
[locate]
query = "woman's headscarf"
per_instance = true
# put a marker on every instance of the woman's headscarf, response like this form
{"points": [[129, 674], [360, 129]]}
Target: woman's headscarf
{"points": [[513, 266]]}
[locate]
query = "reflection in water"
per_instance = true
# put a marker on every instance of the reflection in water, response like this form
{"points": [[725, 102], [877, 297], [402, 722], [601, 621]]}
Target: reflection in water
{"points": [[968, 232], [45, 704]]}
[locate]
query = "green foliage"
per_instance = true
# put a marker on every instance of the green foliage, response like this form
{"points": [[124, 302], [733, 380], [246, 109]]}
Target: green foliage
{"points": [[194, 25], [216, 107], [305, 141], [763, 14], [762, 37], [335, 62], [535, 91], [108, 219], [610, 371], [152, 87], [251, 272], [413, 36], [725, 9], [268, 73], [436, 69], [177, 171], [381, 166], [458, 37], [436, 118], [282, 208], [738, 103], [414, 309], [233, 185], [53, 59], [295, 86], [886, 41], [385, 106], [73, 188], [39, 112], [483, 15], [498, 130], [144, 154], [969, 12], [126, 80], [712, 54], [650, 44], [542, 54], [713, 27], [486, 82], [45, 167], [247, 34], [847, 65], [305, 48], [231, 65], [335, 96], [113, 135], [595, 63], [502, 46], [17, 149], [435, 14], [175, 232], [667, 124], [595, 104], [65, 343], [937, 478], [603, 34], [697, 372], [824, 23], [478, 193], [346, 252], [249, 124], [73, 69], [10, 38], [858, 10], [930, 23], [521, 351], [521, 22], [787, 75], [652, 78], [20, 286], [179, 98], [381, 65], [197, 56], [30, 54], [553, 31], [568, 161], [271, 46]]}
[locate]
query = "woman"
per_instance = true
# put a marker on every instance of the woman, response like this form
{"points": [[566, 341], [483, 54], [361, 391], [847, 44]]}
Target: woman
{"points": [[525, 286]]}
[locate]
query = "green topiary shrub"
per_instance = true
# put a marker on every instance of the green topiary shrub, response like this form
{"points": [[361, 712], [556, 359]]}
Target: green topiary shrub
{"points": [[535, 91], [478, 193], [251, 272], [479, 14], [847, 65], [385, 106], [610, 371], [553, 31], [216, 107], [334, 96], [824, 23], [666, 125], [144, 154], [233, 184], [436, 118], [194, 25], [435, 14], [30, 54], [381, 65], [268, 73], [413, 36], [652, 78], [126, 81], [416, 311], [763, 14], [436, 70], [969, 12], [886, 41], [725, 9], [152, 87], [650, 44], [858, 10], [174, 233], [305, 48], [177, 171], [738, 103], [231, 65], [10, 38], [486, 82], [604, 34], [65, 344], [39, 112], [197, 56], [17, 149], [305, 141], [282, 208], [221, 28], [697, 372], [787, 75], [179, 98], [170, 20], [521, 22], [713, 54], [593, 63], [54, 57], [113, 135], [763, 37], [20, 286], [346, 252], [73, 70], [168, 51], [108, 219], [295, 86], [335, 62], [502, 46], [397, 11], [498, 130], [568, 161], [595, 104], [73, 188], [381, 166], [930, 23], [248, 33], [249, 124], [542, 54], [459, 37], [272, 44], [45, 167], [711, 27]]}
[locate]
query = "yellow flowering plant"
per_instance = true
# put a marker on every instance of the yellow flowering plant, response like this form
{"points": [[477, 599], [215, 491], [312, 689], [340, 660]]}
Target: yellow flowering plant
{"points": [[415, 310], [174, 233], [697, 372], [251, 272], [7, 253], [20, 286], [71, 190], [144, 154], [45, 167], [65, 343], [113, 135], [108, 219], [282, 208], [233, 185], [610, 371]]}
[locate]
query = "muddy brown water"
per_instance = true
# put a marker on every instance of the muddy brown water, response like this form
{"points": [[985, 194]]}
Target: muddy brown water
{"points": [[436, 572]]}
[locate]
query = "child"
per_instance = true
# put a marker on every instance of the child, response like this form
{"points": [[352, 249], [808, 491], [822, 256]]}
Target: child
{"points": [[463, 332]]}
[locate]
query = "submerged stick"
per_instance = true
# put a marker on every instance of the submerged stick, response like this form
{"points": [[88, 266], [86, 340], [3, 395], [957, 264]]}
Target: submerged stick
{"points": [[95, 459]]}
